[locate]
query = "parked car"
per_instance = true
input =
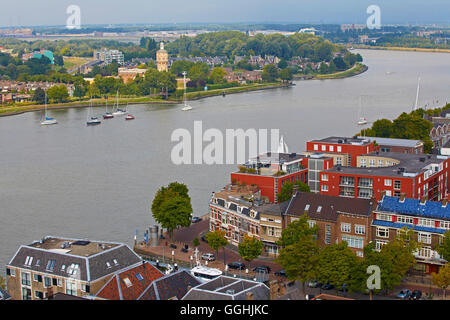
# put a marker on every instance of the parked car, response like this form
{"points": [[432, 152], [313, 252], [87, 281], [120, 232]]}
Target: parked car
{"points": [[208, 257], [416, 295], [204, 239], [404, 294], [314, 284], [280, 273], [327, 286], [236, 265], [264, 269], [196, 219], [173, 246]]}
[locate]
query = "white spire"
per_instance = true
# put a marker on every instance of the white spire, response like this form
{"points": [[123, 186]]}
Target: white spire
{"points": [[282, 147], [161, 46]]}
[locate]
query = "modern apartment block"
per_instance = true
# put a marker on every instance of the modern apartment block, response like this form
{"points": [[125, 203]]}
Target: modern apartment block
{"points": [[414, 174], [270, 171], [70, 266], [428, 219], [397, 145], [109, 55], [349, 147]]}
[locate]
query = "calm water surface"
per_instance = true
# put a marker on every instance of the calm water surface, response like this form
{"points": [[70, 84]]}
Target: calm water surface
{"points": [[98, 182]]}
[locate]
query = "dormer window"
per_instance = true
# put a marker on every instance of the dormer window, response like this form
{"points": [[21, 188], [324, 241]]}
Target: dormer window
{"points": [[108, 264], [115, 262], [28, 261], [127, 282], [63, 267]]}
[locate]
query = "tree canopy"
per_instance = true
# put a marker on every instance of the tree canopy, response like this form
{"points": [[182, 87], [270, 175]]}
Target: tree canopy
{"points": [[250, 248]]}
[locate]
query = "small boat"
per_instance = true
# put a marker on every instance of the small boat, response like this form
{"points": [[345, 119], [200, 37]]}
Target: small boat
{"points": [[118, 112], [93, 121], [47, 120], [204, 274], [186, 106], [362, 121], [107, 115], [129, 117]]}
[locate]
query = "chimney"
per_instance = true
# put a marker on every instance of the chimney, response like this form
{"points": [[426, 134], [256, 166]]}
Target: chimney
{"points": [[402, 197], [249, 295], [444, 202], [423, 199]]}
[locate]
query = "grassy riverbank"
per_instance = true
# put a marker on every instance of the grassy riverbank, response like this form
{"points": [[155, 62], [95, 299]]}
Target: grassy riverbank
{"points": [[29, 107], [358, 68]]}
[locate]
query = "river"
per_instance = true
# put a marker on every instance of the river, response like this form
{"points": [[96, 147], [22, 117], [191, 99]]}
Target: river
{"points": [[98, 182]]}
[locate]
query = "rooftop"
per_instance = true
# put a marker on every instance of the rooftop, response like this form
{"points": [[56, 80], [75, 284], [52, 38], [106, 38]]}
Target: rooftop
{"points": [[343, 140], [395, 142], [82, 248], [409, 166], [325, 207], [429, 209]]}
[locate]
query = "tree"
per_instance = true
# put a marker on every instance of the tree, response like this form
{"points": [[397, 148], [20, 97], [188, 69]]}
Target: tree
{"points": [[172, 207], [250, 248], [179, 66], [39, 95], [79, 91], [199, 71], [287, 190], [58, 93], [282, 64], [270, 73], [218, 75], [196, 242], [58, 60], [299, 253], [442, 278], [335, 264], [285, 74], [216, 240], [340, 63], [444, 248]]}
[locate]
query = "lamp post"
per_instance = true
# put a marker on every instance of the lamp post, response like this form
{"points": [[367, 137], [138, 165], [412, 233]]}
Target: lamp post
{"points": [[191, 258], [173, 253]]}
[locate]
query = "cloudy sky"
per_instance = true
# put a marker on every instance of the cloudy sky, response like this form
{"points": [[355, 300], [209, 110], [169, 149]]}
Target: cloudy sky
{"points": [[53, 12]]}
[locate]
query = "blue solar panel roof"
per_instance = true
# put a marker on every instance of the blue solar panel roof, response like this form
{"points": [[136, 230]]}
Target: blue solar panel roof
{"points": [[431, 209]]}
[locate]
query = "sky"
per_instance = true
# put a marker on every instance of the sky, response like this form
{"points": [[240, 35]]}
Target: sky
{"points": [[53, 12]]}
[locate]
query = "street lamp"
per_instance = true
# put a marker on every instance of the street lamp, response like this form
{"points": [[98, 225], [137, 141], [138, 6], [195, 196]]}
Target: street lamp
{"points": [[173, 253], [226, 269], [192, 258]]}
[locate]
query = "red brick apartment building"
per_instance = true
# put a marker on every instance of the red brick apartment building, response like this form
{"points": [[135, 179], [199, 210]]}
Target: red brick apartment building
{"points": [[350, 147], [429, 221], [339, 219], [413, 174], [270, 171]]}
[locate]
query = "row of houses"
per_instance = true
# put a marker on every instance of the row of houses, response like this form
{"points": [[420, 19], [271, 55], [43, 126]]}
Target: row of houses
{"points": [[57, 268], [19, 91]]}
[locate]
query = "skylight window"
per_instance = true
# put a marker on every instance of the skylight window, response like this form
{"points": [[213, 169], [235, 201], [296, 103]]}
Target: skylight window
{"points": [[50, 265], [319, 208], [307, 207], [139, 277], [38, 262], [28, 261], [127, 282], [115, 262], [63, 267], [108, 264]]}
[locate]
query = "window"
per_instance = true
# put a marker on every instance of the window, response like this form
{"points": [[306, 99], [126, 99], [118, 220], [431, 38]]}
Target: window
{"points": [[311, 223], [425, 252], [85, 288], [50, 265], [10, 272], [115, 262], [360, 229], [26, 279], [387, 182], [424, 237], [63, 267], [324, 148], [71, 288], [445, 225], [371, 162], [354, 242], [379, 244], [397, 184], [37, 277], [382, 232], [339, 148], [319, 208], [327, 234], [47, 282], [384, 217], [363, 163], [339, 161], [405, 219], [73, 269], [388, 193], [28, 261], [426, 223], [381, 163], [360, 254], [127, 282], [139, 277], [26, 294], [331, 148], [38, 263], [108, 265], [324, 177], [38, 295], [346, 227], [324, 187], [316, 147]]}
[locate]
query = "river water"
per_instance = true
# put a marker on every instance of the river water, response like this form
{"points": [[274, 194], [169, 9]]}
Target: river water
{"points": [[98, 182]]}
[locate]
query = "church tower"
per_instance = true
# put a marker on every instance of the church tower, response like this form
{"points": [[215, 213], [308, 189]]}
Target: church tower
{"points": [[162, 58]]}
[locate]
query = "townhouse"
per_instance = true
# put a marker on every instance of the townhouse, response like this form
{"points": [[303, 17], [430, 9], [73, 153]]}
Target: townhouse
{"points": [[71, 266]]}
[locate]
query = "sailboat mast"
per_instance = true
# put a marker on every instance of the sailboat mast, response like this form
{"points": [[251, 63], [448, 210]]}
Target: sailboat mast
{"points": [[417, 94]]}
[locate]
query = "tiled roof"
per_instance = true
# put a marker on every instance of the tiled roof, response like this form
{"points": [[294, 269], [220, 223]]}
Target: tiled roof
{"points": [[330, 206], [174, 285], [430, 209], [139, 278], [398, 225], [4, 295]]}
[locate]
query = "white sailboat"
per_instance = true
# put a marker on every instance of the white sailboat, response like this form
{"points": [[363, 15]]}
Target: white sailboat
{"points": [[186, 106], [118, 112], [417, 94], [91, 121], [362, 120], [47, 120]]}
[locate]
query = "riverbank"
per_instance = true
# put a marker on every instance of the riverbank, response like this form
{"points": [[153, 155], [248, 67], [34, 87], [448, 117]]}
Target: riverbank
{"points": [[402, 49], [358, 68], [19, 109]]}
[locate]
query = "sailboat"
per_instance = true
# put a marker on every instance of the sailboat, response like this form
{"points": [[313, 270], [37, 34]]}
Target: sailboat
{"points": [[92, 121], [362, 120], [107, 115], [186, 106], [118, 112], [417, 94], [47, 120]]}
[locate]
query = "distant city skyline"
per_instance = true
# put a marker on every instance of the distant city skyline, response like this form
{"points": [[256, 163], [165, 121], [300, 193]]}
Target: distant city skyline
{"points": [[53, 12]]}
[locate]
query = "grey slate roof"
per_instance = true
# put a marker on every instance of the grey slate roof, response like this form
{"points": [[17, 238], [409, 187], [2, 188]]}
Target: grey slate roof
{"points": [[4, 295], [90, 268]]}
